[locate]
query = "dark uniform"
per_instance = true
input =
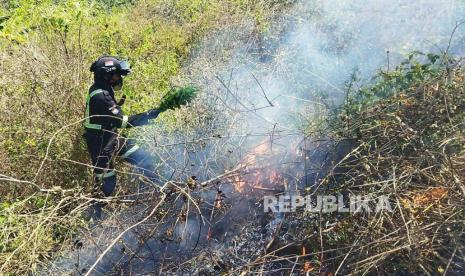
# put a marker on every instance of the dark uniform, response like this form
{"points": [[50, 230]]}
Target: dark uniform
{"points": [[103, 118]]}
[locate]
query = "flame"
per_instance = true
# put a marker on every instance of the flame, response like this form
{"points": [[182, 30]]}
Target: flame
{"points": [[257, 177], [260, 179], [251, 157], [275, 177], [209, 234], [308, 267], [239, 184]]}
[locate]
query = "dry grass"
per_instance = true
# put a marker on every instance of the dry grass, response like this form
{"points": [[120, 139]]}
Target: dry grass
{"points": [[409, 147]]}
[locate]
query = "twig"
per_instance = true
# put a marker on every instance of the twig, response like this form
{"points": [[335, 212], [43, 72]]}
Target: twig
{"points": [[226, 174], [457, 25], [244, 106], [272, 138], [263, 91], [387, 57], [450, 261]]}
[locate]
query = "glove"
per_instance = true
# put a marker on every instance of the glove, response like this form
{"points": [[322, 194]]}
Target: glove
{"points": [[122, 100], [152, 114], [143, 118]]}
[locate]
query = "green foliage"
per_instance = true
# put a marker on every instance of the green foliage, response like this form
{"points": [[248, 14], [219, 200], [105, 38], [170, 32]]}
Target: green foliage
{"points": [[32, 227], [46, 48], [177, 97], [387, 83], [417, 68], [58, 41], [193, 10]]}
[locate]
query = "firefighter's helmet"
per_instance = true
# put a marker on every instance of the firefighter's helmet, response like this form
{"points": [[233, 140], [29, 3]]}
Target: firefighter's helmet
{"points": [[106, 65]]}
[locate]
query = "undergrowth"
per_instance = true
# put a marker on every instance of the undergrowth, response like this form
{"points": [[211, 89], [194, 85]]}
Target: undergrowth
{"points": [[406, 132]]}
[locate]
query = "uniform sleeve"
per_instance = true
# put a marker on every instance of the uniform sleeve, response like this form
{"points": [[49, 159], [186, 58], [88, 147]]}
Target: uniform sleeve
{"points": [[112, 115]]}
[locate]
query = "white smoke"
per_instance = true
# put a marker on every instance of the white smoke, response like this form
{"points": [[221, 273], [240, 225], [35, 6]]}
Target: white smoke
{"points": [[320, 45]]}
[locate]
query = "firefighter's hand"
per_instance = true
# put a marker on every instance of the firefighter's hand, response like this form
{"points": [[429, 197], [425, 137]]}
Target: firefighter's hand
{"points": [[142, 119], [152, 114], [122, 100], [162, 108]]}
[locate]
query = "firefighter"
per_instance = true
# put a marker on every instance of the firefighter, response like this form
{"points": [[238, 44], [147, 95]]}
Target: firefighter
{"points": [[103, 119]]}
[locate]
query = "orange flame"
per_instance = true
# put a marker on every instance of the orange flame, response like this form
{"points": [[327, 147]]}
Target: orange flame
{"points": [[251, 157], [258, 178]]}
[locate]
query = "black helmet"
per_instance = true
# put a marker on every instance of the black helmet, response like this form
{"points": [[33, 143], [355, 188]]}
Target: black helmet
{"points": [[110, 64]]}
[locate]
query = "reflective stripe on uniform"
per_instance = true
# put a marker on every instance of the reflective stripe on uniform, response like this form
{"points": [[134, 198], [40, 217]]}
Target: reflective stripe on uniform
{"points": [[87, 123], [125, 121], [105, 175], [130, 151]]}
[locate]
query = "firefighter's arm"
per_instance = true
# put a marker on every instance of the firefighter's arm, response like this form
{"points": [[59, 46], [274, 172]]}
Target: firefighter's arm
{"points": [[115, 116], [142, 118]]}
